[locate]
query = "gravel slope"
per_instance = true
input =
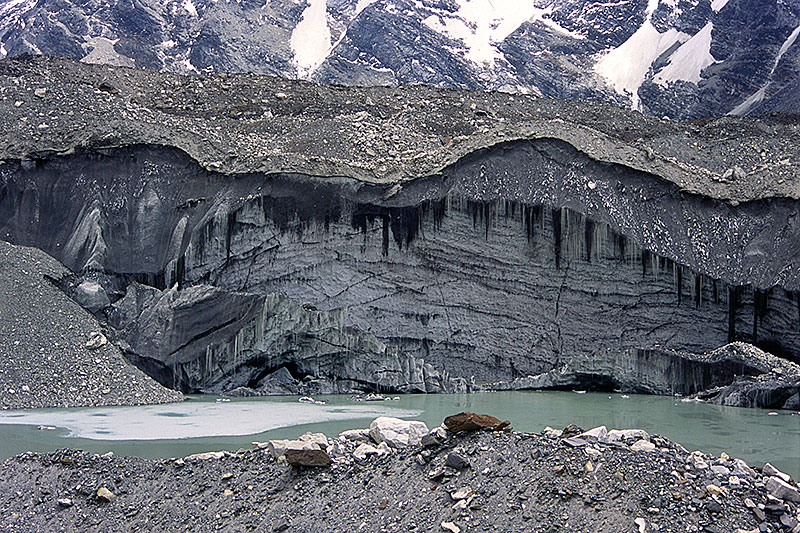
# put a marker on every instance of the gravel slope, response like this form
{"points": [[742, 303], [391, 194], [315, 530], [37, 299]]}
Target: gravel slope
{"points": [[521, 482], [44, 359]]}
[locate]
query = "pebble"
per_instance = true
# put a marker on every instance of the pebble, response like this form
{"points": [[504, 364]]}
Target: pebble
{"points": [[450, 526], [462, 493], [106, 495], [456, 461]]}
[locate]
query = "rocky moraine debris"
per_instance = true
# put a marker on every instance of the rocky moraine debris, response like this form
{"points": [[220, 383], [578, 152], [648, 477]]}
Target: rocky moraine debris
{"points": [[399, 476], [243, 123], [52, 352]]}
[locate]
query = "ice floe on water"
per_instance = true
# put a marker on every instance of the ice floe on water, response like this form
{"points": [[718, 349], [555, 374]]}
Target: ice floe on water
{"points": [[192, 419]]}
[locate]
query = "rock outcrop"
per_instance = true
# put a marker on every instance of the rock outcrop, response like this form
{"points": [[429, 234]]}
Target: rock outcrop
{"points": [[52, 352]]}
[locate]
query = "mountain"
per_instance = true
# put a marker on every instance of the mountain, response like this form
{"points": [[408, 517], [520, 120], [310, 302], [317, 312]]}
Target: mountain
{"points": [[683, 59]]}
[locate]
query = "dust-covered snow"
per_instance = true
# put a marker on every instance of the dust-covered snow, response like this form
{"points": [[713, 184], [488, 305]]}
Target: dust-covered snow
{"points": [[689, 60], [311, 38]]}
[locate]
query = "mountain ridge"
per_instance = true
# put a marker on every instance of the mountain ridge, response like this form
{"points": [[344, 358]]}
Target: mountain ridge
{"points": [[683, 59]]}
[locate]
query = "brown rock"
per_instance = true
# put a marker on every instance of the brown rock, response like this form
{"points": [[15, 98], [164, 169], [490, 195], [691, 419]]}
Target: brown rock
{"points": [[308, 458], [470, 422]]}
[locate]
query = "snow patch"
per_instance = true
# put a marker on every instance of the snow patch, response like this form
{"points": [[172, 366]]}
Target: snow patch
{"points": [[188, 5], [311, 38], [689, 60], [626, 66], [362, 5], [752, 100], [3, 52], [187, 65], [12, 11], [482, 24], [716, 5]]}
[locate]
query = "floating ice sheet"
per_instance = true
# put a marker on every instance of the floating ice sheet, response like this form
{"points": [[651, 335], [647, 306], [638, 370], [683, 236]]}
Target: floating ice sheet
{"points": [[192, 419]]}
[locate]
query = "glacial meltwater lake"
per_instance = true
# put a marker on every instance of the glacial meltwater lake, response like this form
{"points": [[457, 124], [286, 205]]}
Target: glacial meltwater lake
{"points": [[202, 423]]}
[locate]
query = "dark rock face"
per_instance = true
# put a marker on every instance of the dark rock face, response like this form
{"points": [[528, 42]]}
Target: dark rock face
{"points": [[551, 49], [737, 375], [515, 261], [203, 338]]}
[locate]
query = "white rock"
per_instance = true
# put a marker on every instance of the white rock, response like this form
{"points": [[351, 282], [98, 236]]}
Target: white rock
{"points": [[599, 433], [451, 527], [278, 448], [740, 467], [622, 435], [720, 470], [593, 453], [397, 433], [462, 494], [553, 433], [206, 455], [96, 340], [641, 524], [315, 438], [643, 446], [364, 450], [355, 435]]}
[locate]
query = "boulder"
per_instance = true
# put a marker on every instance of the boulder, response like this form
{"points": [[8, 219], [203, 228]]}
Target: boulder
{"points": [[96, 340], [397, 433], [436, 437], [456, 461], [595, 434], [309, 441], [91, 296], [720, 470], [783, 490], [624, 435], [364, 450], [642, 445], [742, 469], [571, 430], [770, 470], [470, 422], [307, 457], [105, 494], [206, 455], [355, 435]]}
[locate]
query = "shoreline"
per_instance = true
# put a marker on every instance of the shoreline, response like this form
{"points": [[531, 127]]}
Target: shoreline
{"points": [[568, 479]]}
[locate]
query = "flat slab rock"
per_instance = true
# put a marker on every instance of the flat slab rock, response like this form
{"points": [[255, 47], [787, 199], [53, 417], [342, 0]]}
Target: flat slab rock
{"points": [[470, 422]]}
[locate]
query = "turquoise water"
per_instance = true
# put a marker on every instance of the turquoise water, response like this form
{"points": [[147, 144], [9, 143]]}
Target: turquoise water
{"points": [[202, 423]]}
